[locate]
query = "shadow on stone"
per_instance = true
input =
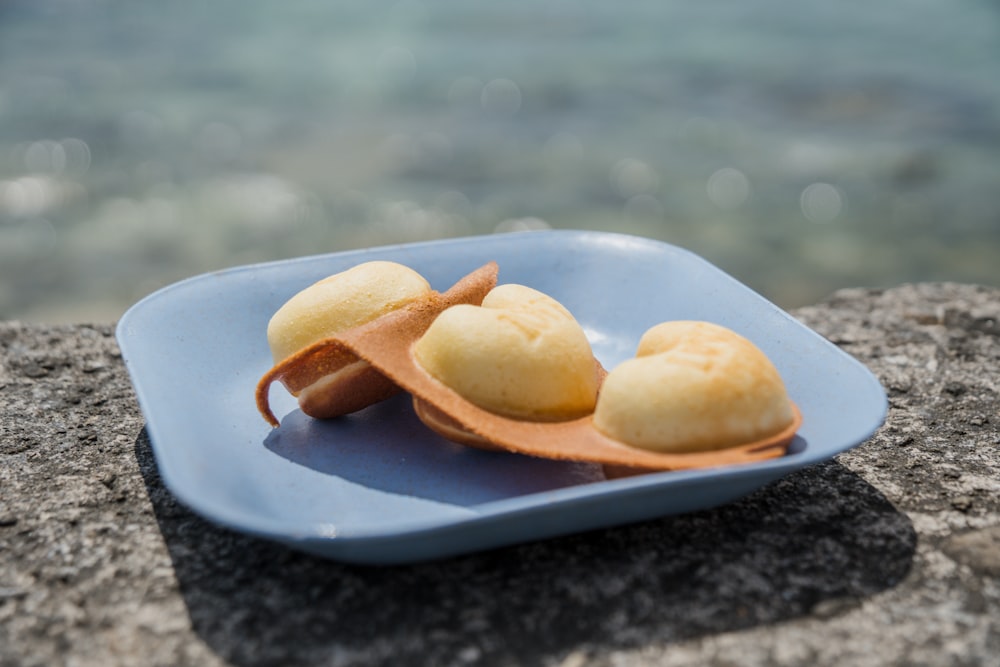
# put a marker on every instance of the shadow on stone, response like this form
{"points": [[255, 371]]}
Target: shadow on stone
{"points": [[814, 542]]}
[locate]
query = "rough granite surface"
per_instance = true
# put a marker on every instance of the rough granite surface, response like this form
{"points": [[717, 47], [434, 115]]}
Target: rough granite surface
{"points": [[888, 555]]}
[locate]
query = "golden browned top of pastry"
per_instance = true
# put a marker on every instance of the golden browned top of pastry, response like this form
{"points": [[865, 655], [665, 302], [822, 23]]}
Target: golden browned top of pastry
{"points": [[341, 301], [520, 354], [693, 386]]}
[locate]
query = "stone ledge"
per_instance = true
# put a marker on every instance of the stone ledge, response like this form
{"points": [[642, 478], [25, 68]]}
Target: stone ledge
{"points": [[888, 555]]}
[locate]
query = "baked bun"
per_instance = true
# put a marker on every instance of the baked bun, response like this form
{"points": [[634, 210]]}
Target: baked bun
{"points": [[521, 355], [693, 386], [341, 301], [330, 382]]}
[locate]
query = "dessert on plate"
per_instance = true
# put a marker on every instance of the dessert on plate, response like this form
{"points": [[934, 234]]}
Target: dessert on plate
{"points": [[329, 383], [509, 368]]}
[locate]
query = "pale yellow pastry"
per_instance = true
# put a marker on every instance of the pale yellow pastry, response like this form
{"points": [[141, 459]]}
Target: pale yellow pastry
{"points": [[342, 301], [693, 386], [305, 335], [327, 308], [521, 354]]}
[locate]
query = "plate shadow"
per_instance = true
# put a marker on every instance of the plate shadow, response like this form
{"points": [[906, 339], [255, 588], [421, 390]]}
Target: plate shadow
{"points": [[820, 535]]}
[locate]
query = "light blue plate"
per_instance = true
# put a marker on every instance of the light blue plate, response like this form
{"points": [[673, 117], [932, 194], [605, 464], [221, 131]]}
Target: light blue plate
{"points": [[378, 487]]}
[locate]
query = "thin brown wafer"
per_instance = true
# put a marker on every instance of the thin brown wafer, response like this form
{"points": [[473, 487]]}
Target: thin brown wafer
{"points": [[386, 344]]}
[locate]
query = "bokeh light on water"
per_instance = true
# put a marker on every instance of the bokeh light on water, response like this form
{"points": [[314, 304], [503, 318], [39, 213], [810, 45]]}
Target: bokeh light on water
{"points": [[800, 146], [821, 202]]}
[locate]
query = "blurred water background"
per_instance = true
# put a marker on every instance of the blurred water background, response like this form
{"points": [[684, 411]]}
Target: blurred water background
{"points": [[800, 146]]}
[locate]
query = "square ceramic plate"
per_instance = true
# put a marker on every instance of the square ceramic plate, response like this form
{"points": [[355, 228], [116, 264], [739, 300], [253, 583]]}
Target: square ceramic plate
{"points": [[378, 487]]}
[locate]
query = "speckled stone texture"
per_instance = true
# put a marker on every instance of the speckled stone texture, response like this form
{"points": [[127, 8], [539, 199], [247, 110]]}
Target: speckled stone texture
{"points": [[888, 555]]}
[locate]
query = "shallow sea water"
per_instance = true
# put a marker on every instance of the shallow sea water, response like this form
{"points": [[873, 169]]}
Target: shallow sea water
{"points": [[800, 146]]}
